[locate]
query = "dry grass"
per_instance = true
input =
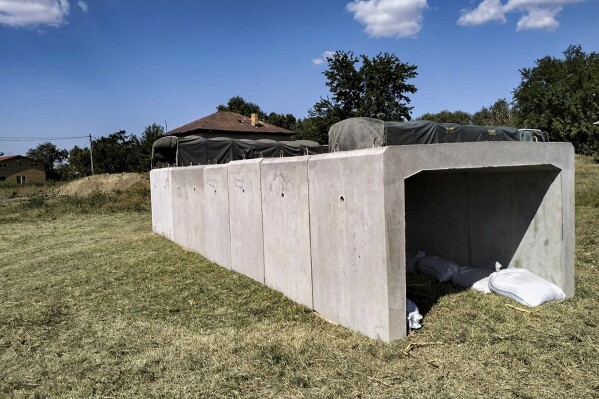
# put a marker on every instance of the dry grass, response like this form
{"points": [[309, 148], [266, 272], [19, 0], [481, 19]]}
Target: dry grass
{"points": [[95, 305]]}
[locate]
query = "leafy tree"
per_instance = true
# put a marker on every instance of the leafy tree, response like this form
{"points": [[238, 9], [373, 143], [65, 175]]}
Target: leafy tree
{"points": [[113, 153], [561, 97], [377, 89], [500, 113], [461, 117], [286, 121], [50, 155], [385, 87], [239, 105], [142, 147], [80, 162]]}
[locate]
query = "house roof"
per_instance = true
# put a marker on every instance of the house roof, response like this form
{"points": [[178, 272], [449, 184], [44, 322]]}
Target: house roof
{"points": [[8, 157], [229, 122]]}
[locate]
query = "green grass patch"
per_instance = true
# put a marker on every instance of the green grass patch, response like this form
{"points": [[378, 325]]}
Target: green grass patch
{"points": [[95, 305]]}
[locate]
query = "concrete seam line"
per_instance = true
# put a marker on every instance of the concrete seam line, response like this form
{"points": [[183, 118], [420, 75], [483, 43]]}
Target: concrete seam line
{"points": [[310, 230]]}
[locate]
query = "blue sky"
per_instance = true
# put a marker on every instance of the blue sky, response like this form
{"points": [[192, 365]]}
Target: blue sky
{"points": [[72, 68]]}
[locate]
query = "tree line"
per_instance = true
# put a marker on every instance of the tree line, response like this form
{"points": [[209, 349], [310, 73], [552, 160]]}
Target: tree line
{"points": [[557, 95], [115, 153]]}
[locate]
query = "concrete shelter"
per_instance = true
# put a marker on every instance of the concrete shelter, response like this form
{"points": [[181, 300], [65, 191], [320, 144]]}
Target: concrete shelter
{"points": [[336, 227]]}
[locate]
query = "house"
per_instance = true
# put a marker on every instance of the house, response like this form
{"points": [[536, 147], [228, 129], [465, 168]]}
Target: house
{"points": [[234, 126], [19, 169]]}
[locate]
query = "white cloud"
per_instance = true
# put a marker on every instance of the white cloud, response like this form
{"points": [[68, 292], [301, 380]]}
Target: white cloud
{"points": [[538, 14], [323, 57], [22, 13], [539, 18], [389, 18], [83, 6], [488, 10]]}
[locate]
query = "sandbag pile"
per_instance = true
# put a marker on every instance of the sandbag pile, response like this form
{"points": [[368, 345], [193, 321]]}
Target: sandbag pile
{"points": [[518, 284]]}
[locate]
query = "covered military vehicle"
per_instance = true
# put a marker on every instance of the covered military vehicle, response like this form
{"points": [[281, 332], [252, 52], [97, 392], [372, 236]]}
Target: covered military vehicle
{"points": [[196, 150], [358, 133]]}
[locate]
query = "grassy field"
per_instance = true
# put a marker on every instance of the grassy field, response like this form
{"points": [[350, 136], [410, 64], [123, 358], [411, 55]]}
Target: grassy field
{"points": [[92, 304]]}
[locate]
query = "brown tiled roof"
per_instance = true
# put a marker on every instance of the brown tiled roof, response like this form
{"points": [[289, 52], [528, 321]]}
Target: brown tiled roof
{"points": [[7, 157], [228, 122]]}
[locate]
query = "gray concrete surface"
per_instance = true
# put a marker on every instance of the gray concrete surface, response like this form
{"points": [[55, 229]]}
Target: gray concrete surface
{"points": [[349, 242], [354, 215], [180, 206], [245, 207], [216, 215], [162, 209], [196, 229], [286, 215]]}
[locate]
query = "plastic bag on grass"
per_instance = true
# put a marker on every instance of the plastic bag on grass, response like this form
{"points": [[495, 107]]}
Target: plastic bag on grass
{"points": [[414, 316], [439, 268], [525, 287], [482, 285], [472, 277], [411, 260]]}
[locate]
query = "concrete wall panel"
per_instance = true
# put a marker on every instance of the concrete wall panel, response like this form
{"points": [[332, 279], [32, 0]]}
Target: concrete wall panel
{"points": [[348, 239], [196, 229], [162, 210], [155, 191], [245, 207], [216, 215], [286, 221], [180, 206]]}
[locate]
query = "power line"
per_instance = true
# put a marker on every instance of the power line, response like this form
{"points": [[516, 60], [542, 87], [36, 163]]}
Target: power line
{"points": [[13, 138]]}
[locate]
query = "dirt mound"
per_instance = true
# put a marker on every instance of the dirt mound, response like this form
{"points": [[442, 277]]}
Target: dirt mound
{"points": [[106, 184]]}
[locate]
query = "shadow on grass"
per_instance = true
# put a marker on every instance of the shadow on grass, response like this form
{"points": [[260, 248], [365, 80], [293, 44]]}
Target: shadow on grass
{"points": [[425, 291]]}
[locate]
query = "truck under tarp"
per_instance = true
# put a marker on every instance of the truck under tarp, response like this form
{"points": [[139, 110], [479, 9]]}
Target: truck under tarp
{"points": [[197, 150], [359, 133]]}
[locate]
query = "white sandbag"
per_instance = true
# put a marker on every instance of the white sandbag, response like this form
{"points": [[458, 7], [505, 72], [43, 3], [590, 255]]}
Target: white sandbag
{"points": [[525, 287], [411, 260], [414, 316], [437, 267], [468, 276], [482, 285]]}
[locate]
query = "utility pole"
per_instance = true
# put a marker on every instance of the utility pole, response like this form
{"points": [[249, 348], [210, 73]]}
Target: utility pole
{"points": [[91, 157]]}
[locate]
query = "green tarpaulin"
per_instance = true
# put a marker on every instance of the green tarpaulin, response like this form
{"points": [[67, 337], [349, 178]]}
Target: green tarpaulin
{"points": [[358, 133], [197, 150]]}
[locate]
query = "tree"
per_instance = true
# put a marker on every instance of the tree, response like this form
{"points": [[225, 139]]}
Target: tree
{"points": [[50, 155], [239, 105], [142, 147], [561, 96], [114, 153], [80, 162], [500, 113], [461, 117], [385, 87], [377, 89], [286, 121]]}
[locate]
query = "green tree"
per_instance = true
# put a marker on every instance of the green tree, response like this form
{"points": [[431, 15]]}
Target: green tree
{"points": [[378, 88], [286, 121], [114, 153], [238, 105], [50, 155], [501, 113], [461, 117], [79, 161], [385, 87], [142, 148], [561, 96]]}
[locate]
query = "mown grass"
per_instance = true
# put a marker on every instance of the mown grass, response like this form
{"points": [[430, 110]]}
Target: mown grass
{"points": [[95, 305]]}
